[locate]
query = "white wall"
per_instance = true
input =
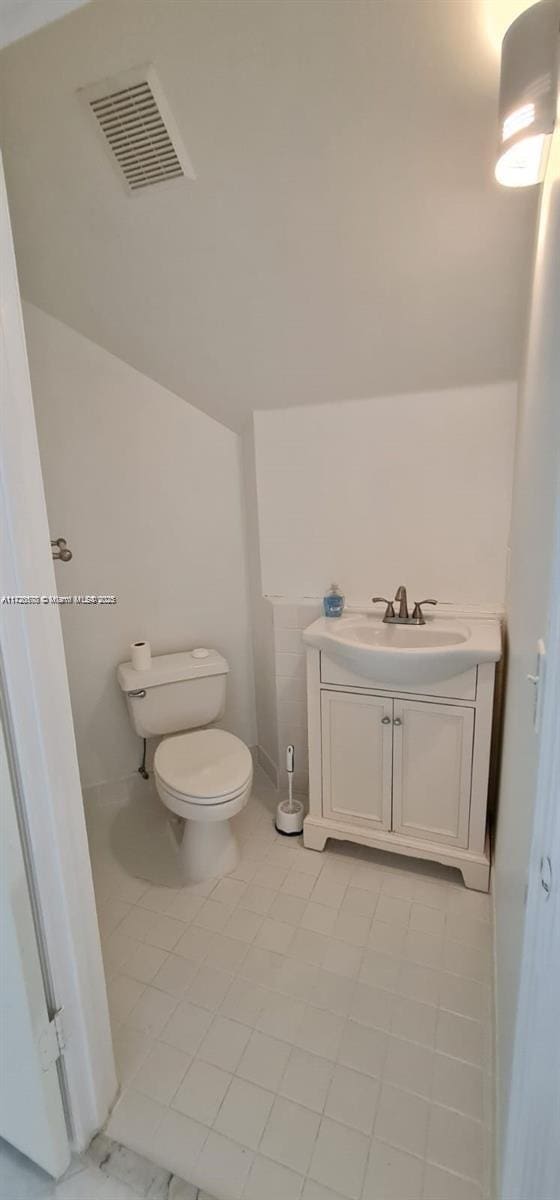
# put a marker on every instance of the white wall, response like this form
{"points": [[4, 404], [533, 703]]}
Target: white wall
{"points": [[148, 492], [536, 481], [411, 489]]}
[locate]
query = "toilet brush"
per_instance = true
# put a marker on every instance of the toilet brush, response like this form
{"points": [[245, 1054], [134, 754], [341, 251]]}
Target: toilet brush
{"points": [[289, 814]]}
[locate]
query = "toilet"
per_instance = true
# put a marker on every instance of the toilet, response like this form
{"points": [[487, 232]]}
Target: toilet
{"points": [[202, 775]]}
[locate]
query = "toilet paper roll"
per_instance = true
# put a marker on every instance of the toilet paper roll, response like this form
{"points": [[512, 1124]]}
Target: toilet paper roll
{"points": [[141, 656]]}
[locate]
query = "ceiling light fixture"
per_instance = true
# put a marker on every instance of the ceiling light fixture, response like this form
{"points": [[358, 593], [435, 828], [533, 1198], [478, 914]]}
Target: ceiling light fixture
{"points": [[528, 94]]}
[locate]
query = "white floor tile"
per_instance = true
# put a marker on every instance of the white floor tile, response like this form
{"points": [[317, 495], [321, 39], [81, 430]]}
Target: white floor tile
{"points": [[131, 1049], [290, 1134], [209, 987], [315, 1191], [359, 902], [289, 909], [409, 1066], [460, 1037], [426, 919], [392, 910], [298, 883], [175, 976], [179, 1143], [281, 1016], [389, 939], [351, 928], [320, 1032], [244, 1001], [144, 962], [455, 1142], [309, 946], [224, 1166], [122, 994], [243, 924], [362, 1048], [458, 1085], [264, 1060], [306, 1079], [442, 1185], [341, 958], [161, 1072], [352, 1098], [151, 1012], [414, 1021], [202, 1091], [261, 966], [224, 1043], [296, 978], [328, 892], [379, 970], [402, 1119], [339, 1158], [274, 935], [319, 918], [271, 1181], [244, 1113], [258, 899], [134, 1120], [213, 916], [392, 1174], [229, 891], [468, 997], [372, 1006], [225, 953], [333, 992], [193, 945], [187, 1027]]}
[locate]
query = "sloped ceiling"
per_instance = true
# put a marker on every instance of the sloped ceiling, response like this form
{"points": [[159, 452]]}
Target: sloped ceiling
{"points": [[344, 236]]}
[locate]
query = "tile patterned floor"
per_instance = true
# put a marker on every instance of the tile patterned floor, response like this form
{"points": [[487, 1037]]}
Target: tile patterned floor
{"points": [[313, 1027]]}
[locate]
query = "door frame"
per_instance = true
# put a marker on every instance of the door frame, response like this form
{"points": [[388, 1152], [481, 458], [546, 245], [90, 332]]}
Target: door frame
{"points": [[41, 733], [530, 1166]]}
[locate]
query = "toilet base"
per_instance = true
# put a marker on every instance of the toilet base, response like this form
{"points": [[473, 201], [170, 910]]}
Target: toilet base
{"points": [[208, 850]]}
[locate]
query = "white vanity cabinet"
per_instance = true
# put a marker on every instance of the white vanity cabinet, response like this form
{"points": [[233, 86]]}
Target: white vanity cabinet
{"points": [[405, 771]]}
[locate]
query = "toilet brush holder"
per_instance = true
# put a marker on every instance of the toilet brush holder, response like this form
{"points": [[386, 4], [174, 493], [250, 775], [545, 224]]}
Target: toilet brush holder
{"points": [[290, 812]]}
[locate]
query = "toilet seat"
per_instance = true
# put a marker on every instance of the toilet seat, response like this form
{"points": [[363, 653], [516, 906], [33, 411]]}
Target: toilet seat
{"points": [[206, 768]]}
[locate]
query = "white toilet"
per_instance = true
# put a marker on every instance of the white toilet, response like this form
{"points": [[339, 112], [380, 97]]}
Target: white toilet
{"points": [[204, 777]]}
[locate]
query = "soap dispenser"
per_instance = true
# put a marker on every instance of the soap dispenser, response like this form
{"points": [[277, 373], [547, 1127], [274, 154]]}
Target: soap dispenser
{"points": [[333, 602]]}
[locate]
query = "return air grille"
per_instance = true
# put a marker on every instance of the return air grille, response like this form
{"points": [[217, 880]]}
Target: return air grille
{"points": [[139, 130]]}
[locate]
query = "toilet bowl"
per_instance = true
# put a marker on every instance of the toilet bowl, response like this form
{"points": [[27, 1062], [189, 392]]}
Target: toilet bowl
{"points": [[202, 775], [205, 778]]}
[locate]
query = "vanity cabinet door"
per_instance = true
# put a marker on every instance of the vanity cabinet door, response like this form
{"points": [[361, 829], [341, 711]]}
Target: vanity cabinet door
{"points": [[357, 735], [432, 764]]}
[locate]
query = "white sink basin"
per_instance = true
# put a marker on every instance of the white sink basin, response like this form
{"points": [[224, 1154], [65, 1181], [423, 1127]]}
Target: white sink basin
{"points": [[401, 654]]}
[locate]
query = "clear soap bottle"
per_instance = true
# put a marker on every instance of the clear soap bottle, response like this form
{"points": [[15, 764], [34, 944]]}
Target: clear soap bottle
{"points": [[333, 602]]}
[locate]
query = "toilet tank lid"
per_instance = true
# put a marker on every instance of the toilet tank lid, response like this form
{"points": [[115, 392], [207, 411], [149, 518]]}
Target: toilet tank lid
{"points": [[171, 668]]}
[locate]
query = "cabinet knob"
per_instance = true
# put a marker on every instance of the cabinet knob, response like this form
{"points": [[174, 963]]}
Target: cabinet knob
{"points": [[385, 720], [397, 721]]}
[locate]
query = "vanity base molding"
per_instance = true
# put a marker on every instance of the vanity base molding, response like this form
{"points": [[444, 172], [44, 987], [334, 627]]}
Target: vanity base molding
{"points": [[475, 868]]}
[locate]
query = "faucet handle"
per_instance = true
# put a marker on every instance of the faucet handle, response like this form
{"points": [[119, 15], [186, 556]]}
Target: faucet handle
{"points": [[417, 614], [390, 610]]}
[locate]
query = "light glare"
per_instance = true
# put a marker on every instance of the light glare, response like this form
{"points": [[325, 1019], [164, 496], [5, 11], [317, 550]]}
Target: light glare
{"points": [[524, 163]]}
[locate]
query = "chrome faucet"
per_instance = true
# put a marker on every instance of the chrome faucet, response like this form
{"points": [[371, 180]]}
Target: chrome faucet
{"points": [[403, 617]]}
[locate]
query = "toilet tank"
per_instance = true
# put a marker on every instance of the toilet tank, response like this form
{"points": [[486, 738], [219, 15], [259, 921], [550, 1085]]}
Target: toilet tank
{"points": [[177, 692]]}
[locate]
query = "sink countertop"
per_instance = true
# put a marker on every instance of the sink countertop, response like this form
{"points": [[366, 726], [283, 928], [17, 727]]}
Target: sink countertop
{"points": [[441, 648]]}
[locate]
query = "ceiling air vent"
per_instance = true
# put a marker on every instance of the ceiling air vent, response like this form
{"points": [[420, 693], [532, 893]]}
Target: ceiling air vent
{"points": [[138, 129]]}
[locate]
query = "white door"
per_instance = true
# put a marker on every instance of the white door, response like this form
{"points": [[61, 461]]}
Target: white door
{"points": [[41, 742], [31, 1111], [432, 759], [356, 739]]}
